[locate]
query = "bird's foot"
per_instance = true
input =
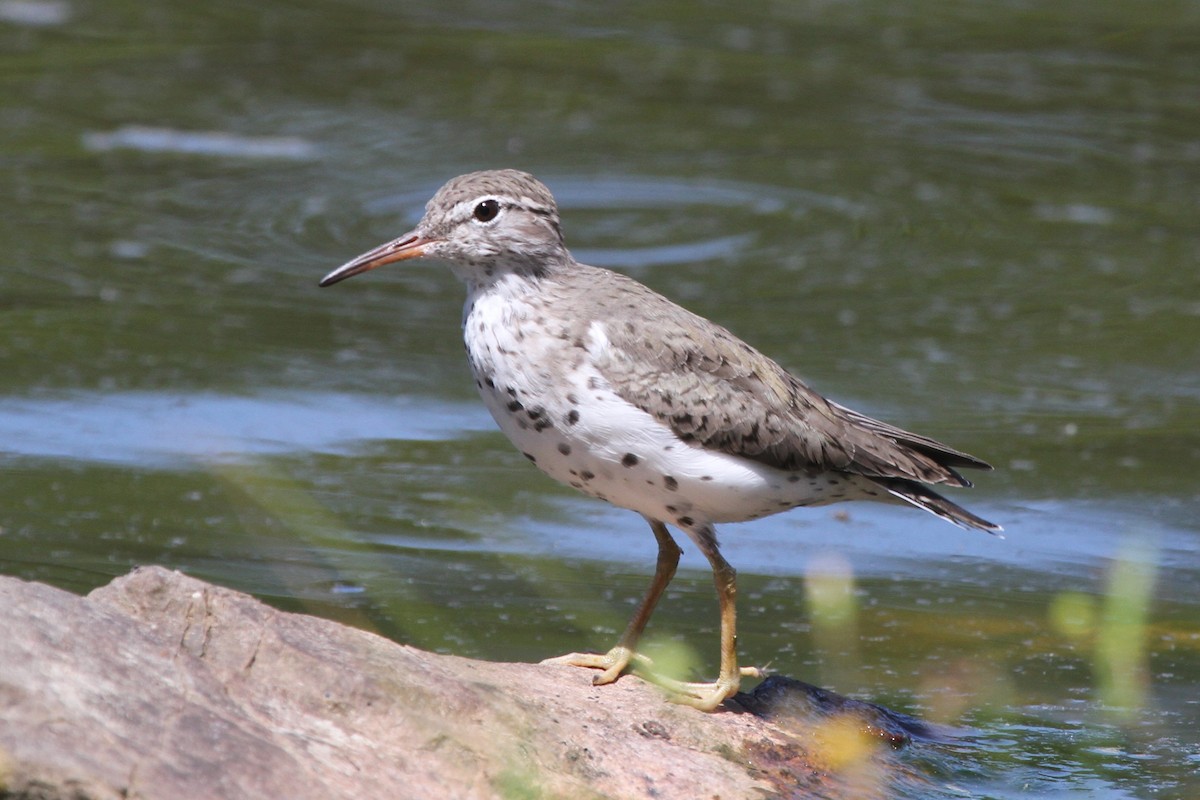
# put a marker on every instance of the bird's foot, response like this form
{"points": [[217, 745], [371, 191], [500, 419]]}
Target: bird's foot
{"points": [[613, 663], [704, 696]]}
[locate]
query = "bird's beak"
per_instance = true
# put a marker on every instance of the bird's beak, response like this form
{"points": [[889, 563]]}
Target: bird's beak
{"points": [[410, 245]]}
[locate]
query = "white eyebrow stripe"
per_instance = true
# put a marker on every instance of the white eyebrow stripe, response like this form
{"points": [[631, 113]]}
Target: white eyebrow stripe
{"points": [[466, 208]]}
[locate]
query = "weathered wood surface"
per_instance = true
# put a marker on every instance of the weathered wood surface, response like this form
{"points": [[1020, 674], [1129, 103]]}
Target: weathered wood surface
{"points": [[163, 686]]}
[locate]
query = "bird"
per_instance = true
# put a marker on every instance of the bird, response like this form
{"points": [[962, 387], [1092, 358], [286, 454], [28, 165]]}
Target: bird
{"points": [[611, 388]]}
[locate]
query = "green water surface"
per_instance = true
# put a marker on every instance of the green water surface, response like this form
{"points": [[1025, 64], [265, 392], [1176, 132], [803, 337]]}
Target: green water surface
{"points": [[975, 220]]}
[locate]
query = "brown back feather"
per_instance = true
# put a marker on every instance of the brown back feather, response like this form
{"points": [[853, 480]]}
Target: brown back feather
{"points": [[715, 390]]}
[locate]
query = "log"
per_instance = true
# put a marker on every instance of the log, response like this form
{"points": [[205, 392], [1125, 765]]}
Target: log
{"points": [[160, 685]]}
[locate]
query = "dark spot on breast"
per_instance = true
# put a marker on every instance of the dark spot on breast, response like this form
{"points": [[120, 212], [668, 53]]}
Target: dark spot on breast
{"points": [[491, 384], [535, 412], [706, 477], [686, 521], [832, 481], [593, 382], [670, 483], [515, 406], [564, 448], [572, 399], [512, 390], [531, 458], [542, 424], [572, 417], [587, 475], [629, 460], [671, 509], [793, 478]]}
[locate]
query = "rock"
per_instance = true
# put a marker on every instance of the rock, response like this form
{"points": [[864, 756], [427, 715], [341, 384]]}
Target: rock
{"points": [[163, 686]]}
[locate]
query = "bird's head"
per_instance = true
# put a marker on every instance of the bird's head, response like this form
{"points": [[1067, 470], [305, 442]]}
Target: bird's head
{"points": [[484, 225]]}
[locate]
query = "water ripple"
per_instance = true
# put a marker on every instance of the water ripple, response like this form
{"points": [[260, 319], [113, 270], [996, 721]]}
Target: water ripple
{"points": [[164, 429], [202, 143]]}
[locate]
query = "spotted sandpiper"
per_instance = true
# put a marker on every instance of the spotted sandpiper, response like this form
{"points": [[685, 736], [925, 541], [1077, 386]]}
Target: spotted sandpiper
{"points": [[613, 389]]}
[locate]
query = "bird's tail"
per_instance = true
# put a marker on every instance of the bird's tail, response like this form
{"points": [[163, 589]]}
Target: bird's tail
{"points": [[922, 496]]}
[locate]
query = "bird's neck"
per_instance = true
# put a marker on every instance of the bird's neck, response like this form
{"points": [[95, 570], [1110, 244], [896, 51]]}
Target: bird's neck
{"points": [[507, 275], [505, 286]]}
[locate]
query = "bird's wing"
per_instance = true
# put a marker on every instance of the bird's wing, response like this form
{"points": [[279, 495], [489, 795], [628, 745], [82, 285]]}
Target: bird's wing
{"points": [[715, 390]]}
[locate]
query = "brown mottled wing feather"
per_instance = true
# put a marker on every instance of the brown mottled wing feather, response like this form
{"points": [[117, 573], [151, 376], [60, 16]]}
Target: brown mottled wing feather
{"points": [[715, 390]]}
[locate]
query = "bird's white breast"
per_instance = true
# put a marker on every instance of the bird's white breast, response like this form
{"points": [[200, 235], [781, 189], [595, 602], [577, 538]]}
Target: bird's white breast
{"points": [[543, 389]]}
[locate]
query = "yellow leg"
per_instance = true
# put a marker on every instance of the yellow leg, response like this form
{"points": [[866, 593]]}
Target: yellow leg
{"points": [[707, 696], [617, 660]]}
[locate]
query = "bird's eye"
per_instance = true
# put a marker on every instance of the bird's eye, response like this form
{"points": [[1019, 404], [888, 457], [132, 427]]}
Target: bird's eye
{"points": [[487, 210]]}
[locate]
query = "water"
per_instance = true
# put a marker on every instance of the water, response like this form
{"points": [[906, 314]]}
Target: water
{"points": [[975, 221]]}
